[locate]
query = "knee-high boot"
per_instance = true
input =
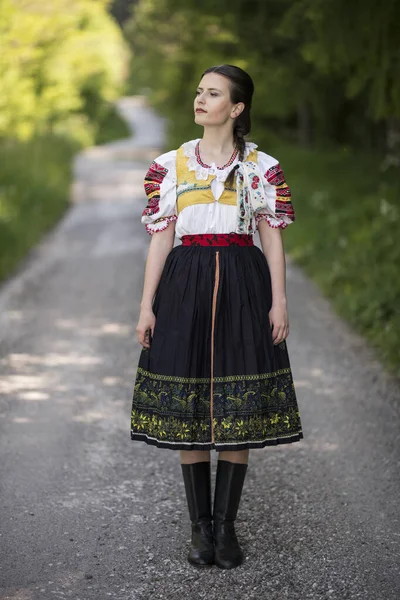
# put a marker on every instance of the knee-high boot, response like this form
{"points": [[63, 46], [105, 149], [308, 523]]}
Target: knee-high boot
{"points": [[197, 480], [228, 489]]}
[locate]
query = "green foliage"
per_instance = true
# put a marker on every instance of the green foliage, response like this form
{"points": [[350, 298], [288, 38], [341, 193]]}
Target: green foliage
{"points": [[358, 42], [346, 237], [323, 69], [59, 59], [110, 126], [193, 36], [121, 9], [35, 178], [62, 63]]}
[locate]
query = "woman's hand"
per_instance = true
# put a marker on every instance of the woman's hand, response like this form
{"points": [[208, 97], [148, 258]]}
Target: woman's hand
{"points": [[146, 323], [279, 322]]}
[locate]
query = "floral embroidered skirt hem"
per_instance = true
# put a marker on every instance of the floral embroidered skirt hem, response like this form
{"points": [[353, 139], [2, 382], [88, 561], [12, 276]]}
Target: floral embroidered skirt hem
{"points": [[212, 378]]}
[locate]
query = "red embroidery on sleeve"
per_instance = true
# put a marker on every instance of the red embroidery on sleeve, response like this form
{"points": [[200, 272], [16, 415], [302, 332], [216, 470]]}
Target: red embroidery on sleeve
{"points": [[152, 181], [283, 203], [275, 175]]}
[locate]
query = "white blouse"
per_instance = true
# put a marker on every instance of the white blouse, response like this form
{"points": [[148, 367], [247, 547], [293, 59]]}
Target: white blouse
{"points": [[160, 187]]}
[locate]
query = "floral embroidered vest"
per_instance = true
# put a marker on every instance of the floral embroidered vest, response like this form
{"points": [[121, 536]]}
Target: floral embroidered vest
{"points": [[190, 190]]}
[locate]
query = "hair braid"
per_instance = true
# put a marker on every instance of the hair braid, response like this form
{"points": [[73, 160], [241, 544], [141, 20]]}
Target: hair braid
{"points": [[238, 136], [241, 128]]}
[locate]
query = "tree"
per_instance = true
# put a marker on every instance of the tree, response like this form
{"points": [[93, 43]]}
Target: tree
{"points": [[59, 58]]}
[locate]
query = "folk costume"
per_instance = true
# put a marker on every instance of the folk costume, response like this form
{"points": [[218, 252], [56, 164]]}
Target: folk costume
{"points": [[212, 377]]}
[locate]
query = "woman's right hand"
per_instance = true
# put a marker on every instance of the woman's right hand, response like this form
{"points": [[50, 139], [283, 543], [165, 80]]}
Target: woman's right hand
{"points": [[146, 323]]}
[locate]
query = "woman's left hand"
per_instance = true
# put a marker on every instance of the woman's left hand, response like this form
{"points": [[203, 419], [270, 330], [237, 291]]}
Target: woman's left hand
{"points": [[279, 322]]}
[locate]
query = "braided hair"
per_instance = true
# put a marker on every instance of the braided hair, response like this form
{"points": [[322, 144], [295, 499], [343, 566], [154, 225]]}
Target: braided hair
{"points": [[241, 90]]}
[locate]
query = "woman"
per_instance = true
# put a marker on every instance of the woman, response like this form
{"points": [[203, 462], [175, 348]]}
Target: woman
{"points": [[214, 371]]}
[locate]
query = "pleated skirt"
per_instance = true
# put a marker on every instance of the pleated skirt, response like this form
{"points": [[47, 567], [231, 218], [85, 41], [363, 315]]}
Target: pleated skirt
{"points": [[212, 377]]}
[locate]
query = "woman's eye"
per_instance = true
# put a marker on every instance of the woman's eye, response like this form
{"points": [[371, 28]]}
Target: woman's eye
{"points": [[211, 93]]}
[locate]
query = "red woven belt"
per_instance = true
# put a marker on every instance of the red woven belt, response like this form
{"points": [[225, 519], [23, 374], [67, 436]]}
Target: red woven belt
{"points": [[217, 239]]}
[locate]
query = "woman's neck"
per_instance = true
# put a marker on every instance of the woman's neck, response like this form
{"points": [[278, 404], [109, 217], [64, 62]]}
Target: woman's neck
{"points": [[216, 146]]}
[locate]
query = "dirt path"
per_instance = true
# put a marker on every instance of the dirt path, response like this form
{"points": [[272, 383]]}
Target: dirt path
{"points": [[87, 514]]}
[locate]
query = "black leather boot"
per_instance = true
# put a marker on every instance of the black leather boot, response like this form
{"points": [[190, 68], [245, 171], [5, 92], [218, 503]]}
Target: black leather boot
{"points": [[228, 489], [197, 480]]}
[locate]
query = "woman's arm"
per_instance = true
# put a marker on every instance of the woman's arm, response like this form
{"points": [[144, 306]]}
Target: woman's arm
{"points": [[272, 246], [160, 246]]}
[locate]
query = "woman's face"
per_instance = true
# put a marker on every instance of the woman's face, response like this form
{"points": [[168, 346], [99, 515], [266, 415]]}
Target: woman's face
{"points": [[212, 97]]}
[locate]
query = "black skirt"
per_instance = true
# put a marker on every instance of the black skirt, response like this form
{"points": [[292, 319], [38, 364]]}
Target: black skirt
{"points": [[212, 377]]}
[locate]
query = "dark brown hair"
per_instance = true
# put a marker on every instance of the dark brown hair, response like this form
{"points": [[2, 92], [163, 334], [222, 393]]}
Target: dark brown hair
{"points": [[241, 90]]}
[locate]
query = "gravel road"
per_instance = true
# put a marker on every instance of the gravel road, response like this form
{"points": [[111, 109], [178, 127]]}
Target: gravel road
{"points": [[89, 515]]}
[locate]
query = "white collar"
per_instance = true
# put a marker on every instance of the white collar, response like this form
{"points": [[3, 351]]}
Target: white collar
{"points": [[203, 172]]}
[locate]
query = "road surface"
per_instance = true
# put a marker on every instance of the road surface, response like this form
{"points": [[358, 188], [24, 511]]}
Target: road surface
{"points": [[88, 514]]}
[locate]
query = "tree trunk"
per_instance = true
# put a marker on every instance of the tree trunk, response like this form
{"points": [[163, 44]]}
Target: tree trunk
{"points": [[304, 132], [392, 157]]}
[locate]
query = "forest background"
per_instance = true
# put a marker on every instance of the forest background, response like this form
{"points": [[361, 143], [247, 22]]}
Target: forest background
{"points": [[327, 104]]}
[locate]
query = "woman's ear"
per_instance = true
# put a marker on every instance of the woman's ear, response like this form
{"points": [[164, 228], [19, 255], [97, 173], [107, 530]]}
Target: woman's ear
{"points": [[237, 110]]}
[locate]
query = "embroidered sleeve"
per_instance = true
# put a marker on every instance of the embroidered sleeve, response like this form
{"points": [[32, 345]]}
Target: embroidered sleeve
{"points": [[279, 211], [160, 188]]}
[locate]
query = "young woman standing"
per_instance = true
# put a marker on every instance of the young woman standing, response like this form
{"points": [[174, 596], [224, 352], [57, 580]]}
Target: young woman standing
{"points": [[214, 372]]}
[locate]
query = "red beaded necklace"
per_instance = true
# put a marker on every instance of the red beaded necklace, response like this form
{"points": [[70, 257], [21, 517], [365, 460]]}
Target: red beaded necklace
{"points": [[198, 157]]}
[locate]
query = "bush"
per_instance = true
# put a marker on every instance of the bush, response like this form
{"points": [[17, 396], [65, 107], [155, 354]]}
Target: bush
{"points": [[346, 237], [110, 126], [35, 178], [60, 59], [62, 64]]}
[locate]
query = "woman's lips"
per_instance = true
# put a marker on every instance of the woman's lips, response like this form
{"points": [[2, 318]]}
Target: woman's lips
{"points": [[200, 110]]}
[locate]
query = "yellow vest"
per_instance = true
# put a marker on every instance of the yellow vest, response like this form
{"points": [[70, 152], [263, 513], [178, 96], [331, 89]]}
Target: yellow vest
{"points": [[190, 190]]}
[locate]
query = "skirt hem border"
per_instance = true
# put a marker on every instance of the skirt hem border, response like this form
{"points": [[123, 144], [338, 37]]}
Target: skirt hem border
{"points": [[216, 446]]}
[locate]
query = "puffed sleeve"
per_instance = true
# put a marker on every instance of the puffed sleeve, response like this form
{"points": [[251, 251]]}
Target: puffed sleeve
{"points": [[160, 188], [279, 211]]}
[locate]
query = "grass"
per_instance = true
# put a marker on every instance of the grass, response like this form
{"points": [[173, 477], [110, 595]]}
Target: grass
{"points": [[110, 126], [35, 179], [346, 237]]}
